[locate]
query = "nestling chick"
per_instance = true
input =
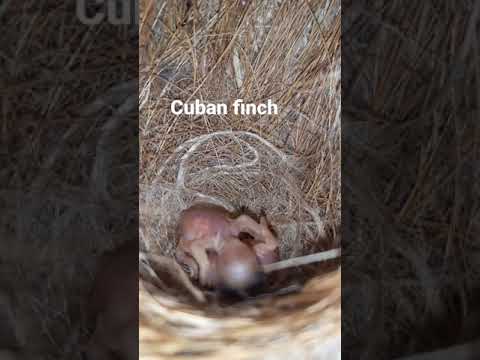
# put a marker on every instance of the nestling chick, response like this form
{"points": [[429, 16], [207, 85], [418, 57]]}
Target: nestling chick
{"points": [[113, 306], [209, 245], [236, 266]]}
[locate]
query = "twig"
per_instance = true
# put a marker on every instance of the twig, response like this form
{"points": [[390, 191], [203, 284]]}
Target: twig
{"points": [[303, 260]]}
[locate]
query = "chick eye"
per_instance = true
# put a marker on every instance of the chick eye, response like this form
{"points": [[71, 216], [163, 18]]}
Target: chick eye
{"points": [[244, 236], [248, 239], [212, 254]]}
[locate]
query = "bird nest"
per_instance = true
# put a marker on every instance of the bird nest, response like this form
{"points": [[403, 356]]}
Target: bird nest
{"points": [[300, 326], [286, 166]]}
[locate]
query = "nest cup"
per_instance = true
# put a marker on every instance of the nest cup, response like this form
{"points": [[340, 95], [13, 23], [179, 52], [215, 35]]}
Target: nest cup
{"points": [[286, 166]]}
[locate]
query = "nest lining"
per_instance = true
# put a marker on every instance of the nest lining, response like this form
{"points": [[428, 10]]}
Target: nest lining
{"points": [[193, 172]]}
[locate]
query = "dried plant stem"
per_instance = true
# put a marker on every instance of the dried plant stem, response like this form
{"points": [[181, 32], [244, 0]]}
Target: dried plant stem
{"points": [[303, 260]]}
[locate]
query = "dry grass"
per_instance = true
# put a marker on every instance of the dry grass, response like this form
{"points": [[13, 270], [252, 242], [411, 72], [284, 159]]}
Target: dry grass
{"points": [[287, 165]]}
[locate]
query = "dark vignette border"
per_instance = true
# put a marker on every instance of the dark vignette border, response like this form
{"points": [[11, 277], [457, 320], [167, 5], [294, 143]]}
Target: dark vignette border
{"points": [[68, 167], [410, 178]]}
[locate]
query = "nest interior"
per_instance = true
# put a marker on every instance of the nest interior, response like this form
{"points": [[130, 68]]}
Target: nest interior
{"points": [[286, 166]]}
